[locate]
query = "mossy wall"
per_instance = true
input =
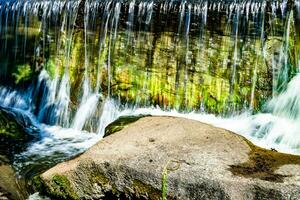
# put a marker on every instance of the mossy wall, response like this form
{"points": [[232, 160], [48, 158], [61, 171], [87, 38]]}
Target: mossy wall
{"points": [[220, 58]]}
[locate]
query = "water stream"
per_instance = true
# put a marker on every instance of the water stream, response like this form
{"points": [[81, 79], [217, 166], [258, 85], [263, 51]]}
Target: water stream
{"points": [[69, 68]]}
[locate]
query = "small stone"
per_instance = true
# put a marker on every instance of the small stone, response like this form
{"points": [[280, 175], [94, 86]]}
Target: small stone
{"points": [[151, 140]]}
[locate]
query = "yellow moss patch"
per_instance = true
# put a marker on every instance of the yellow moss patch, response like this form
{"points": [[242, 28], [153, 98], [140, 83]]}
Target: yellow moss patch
{"points": [[263, 163], [141, 189]]}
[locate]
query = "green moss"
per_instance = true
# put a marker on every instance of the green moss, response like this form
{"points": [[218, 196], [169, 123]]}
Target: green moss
{"points": [[38, 184], [51, 68], [100, 179], [145, 190], [152, 78], [22, 73], [121, 123], [58, 187], [263, 163], [137, 190], [10, 130], [61, 188], [13, 138]]}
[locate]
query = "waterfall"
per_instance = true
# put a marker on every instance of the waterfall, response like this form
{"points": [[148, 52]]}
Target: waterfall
{"points": [[85, 111], [75, 66]]}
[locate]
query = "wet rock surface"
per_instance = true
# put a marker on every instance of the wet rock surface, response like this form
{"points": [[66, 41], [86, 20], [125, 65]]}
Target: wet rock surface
{"points": [[10, 186], [13, 135], [13, 138], [10, 129], [173, 158], [120, 124]]}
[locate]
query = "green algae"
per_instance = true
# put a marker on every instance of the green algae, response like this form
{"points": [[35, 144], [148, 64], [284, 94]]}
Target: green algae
{"points": [[144, 190], [13, 138], [22, 73], [100, 179], [120, 124], [59, 187], [9, 127], [136, 190], [161, 71]]}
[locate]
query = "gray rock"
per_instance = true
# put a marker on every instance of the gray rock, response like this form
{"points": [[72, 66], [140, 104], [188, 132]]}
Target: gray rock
{"points": [[10, 186], [159, 157]]}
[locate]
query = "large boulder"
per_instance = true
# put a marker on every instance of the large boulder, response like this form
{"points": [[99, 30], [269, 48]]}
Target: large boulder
{"points": [[174, 158]]}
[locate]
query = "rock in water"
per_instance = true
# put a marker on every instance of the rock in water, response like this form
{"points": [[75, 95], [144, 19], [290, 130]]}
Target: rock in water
{"points": [[174, 158], [13, 137], [10, 187], [10, 129]]}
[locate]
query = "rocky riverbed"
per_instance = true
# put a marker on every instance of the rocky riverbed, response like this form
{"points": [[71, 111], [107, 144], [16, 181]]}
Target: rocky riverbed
{"points": [[174, 158]]}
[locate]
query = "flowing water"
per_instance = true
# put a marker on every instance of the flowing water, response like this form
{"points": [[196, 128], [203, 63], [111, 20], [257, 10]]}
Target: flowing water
{"points": [[69, 68]]}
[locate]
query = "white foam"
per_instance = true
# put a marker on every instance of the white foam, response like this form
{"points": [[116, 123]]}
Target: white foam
{"points": [[86, 109], [36, 196]]}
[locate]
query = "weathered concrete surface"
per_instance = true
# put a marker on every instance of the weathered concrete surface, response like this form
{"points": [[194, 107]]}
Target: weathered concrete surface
{"points": [[204, 162]]}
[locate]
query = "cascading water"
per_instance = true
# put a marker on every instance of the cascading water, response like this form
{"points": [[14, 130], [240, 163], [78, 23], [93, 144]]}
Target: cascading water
{"points": [[72, 67]]}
